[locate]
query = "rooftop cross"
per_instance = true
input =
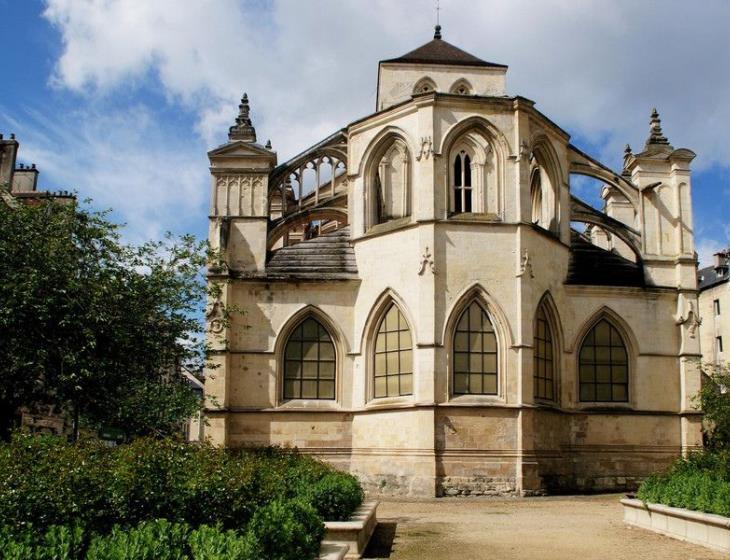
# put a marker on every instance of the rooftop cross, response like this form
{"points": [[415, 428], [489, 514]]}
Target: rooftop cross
{"points": [[437, 29]]}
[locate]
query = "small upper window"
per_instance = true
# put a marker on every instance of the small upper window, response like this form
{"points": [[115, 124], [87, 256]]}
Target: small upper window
{"points": [[716, 305], [462, 183], [424, 85], [461, 87]]}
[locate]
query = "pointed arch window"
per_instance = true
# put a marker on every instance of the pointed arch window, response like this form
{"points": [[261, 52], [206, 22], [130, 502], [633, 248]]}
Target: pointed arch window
{"points": [[475, 353], [309, 362], [604, 365], [393, 360], [462, 184], [544, 361]]}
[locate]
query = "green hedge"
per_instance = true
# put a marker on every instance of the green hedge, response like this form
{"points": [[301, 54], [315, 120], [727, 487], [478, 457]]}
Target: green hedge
{"points": [[202, 501], [700, 482]]}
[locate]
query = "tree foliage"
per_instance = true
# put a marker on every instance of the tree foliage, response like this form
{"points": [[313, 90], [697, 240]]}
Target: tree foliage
{"points": [[714, 400], [93, 325]]}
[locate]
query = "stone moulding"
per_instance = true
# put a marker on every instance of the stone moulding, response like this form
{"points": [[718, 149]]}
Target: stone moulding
{"points": [[354, 534], [331, 551], [706, 529]]}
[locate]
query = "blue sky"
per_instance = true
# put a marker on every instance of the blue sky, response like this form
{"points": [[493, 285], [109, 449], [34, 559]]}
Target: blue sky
{"points": [[121, 99]]}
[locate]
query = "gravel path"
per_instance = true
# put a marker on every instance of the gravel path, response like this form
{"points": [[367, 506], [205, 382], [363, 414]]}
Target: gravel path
{"points": [[577, 527]]}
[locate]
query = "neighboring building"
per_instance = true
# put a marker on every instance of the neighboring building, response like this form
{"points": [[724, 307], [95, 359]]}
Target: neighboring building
{"points": [[19, 182], [417, 309], [714, 298]]}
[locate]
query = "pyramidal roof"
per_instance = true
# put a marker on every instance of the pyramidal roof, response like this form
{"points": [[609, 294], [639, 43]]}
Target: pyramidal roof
{"points": [[438, 51]]}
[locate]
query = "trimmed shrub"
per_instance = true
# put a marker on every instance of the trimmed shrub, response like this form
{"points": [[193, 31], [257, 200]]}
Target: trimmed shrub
{"points": [[151, 540], [335, 496], [212, 543], [287, 530], [197, 502], [700, 482]]}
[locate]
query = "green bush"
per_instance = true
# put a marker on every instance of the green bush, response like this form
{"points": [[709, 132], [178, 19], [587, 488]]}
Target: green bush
{"points": [[287, 530], [231, 504], [212, 543], [700, 482], [335, 496], [151, 540]]}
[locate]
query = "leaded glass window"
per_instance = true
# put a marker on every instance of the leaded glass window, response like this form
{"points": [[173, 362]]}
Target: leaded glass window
{"points": [[604, 365], [475, 353], [309, 362], [393, 366], [544, 376]]}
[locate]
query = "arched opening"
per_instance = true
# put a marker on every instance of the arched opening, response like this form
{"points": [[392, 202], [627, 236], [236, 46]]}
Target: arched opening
{"points": [[424, 85], [393, 355], [545, 375], [309, 362], [603, 365], [388, 182], [475, 353], [461, 87], [462, 182], [536, 198]]}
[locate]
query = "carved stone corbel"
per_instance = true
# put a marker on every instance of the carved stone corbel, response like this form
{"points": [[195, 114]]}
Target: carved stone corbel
{"points": [[525, 265], [426, 262]]}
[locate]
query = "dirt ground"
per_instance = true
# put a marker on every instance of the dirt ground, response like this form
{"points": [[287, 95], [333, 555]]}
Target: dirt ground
{"points": [[577, 527]]}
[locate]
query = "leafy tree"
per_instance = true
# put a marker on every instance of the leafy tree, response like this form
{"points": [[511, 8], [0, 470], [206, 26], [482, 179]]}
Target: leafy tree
{"points": [[95, 326], [714, 400]]}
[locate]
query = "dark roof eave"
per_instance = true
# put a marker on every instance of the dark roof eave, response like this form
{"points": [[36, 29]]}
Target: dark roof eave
{"points": [[475, 63]]}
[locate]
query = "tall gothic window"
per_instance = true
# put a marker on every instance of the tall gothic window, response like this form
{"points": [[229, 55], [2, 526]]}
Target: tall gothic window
{"points": [[544, 373], [462, 183], [475, 353], [393, 363], [309, 362], [604, 365]]}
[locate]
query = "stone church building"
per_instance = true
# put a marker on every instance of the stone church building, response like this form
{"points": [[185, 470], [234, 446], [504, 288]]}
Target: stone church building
{"points": [[420, 298]]}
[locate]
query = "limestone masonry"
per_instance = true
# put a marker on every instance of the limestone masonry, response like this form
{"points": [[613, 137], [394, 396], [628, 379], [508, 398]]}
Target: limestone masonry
{"points": [[417, 307]]}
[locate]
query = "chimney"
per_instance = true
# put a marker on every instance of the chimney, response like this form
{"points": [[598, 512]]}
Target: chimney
{"points": [[8, 154], [722, 263]]}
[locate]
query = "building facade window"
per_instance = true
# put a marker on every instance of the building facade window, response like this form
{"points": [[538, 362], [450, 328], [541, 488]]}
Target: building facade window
{"points": [[716, 306], [392, 184], [475, 353], [544, 375], [309, 362], [462, 183], [604, 365], [718, 344], [393, 360]]}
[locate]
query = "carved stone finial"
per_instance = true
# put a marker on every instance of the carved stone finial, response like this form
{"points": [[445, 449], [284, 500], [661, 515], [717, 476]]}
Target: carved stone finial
{"points": [[525, 266], [628, 154], [243, 129], [268, 144], [656, 138], [426, 262], [437, 32]]}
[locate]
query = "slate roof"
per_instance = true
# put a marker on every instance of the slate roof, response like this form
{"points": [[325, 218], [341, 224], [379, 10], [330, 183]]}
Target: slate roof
{"points": [[593, 266], [438, 51], [708, 277], [329, 255]]}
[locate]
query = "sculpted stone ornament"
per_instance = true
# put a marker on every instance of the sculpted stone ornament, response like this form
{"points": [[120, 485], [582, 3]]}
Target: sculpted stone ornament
{"points": [[687, 314], [215, 316], [426, 262], [426, 148], [525, 152], [525, 266]]}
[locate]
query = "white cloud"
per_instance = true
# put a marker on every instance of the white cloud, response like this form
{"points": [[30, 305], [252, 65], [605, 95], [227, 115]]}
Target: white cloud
{"points": [[595, 67], [122, 160]]}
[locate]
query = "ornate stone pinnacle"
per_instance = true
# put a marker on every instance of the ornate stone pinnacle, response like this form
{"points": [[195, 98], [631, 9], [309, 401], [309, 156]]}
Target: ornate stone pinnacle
{"points": [[627, 155], [655, 131], [243, 129], [268, 144], [437, 32]]}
